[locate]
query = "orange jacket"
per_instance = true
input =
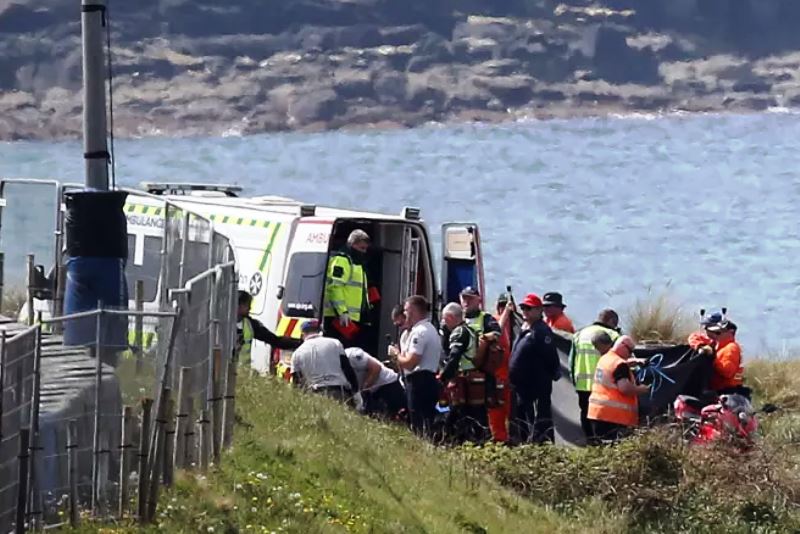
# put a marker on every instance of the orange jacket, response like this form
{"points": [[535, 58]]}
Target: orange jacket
{"points": [[562, 322], [607, 403], [728, 370], [505, 343], [698, 339]]}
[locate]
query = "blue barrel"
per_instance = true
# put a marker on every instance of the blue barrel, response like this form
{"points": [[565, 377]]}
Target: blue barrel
{"points": [[97, 250]]}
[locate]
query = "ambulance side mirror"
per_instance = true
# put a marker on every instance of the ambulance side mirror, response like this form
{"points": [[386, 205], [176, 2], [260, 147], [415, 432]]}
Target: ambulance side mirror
{"points": [[280, 292]]}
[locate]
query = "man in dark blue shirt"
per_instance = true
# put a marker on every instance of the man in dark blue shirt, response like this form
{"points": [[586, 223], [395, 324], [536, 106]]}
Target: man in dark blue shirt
{"points": [[533, 368]]}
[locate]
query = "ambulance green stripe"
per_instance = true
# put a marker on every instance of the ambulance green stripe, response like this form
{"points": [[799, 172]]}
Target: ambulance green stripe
{"points": [[269, 247]]}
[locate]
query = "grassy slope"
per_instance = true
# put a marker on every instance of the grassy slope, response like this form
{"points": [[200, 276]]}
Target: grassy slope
{"points": [[304, 464]]}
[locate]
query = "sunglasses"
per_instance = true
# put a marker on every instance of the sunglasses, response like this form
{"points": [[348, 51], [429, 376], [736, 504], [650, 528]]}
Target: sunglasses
{"points": [[523, 307]]}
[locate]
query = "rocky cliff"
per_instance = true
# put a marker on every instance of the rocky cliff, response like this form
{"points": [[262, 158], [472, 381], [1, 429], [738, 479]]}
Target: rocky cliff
{"points": [[205, 67]]}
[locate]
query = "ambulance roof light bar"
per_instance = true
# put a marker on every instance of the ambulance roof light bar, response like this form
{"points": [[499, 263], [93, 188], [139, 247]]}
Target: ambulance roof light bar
{"points": [[168, 188], [411, 213]]}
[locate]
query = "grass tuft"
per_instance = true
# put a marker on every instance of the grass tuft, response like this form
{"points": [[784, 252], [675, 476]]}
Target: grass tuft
{"points": [[13, 300], [659, 317]]}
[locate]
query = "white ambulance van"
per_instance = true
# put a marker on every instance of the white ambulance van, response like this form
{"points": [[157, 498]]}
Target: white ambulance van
{"points": [[282, 246]]}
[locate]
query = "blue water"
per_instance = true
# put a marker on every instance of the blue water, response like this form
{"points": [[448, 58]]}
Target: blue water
{"points": [[599, 209]]}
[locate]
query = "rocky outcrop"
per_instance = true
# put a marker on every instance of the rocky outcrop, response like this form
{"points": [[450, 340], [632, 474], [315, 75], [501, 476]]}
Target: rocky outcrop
{"points": [[197, 66]]}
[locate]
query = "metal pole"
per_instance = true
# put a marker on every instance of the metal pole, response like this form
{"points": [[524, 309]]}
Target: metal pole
{"points": [[229, 408], [216, 405], [22, 479], [184, 241], [98, 379], [2, 275], [72, 471], [95, 149], [34, 423], [138, 322], [29, 286], [124, 460], [156, 468], [205, 440], [2, 377]]}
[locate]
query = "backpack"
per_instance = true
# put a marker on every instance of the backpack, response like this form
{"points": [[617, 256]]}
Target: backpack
{"points": [[489, 355]]}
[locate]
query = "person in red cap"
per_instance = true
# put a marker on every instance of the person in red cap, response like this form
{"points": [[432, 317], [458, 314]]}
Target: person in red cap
{"points": [[533, 368]]}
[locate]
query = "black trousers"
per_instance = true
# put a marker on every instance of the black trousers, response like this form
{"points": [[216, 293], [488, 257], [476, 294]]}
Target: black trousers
{"points": [[532, 416], [387, 400], [422, 392], [468, 423], [586, 423], [605, 431]]}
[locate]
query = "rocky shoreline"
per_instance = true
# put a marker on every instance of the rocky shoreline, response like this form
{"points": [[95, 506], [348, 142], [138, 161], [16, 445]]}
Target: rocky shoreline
{"points": [[193, 68]]}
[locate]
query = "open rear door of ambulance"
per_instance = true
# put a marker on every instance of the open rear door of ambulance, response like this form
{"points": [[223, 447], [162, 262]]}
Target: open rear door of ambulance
{"points": [[462, 260]]}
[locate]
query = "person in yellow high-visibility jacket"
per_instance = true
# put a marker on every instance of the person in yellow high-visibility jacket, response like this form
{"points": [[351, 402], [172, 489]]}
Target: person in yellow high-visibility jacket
{"points": [[348, 297]]}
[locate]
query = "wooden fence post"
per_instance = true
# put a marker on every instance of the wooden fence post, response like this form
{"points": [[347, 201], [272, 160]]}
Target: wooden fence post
{"points": [[158, 455], [169, 443], [144, 448], [72, 471], [182, 417], [216, 405], [189, 453], [22, 479], [205, 440], [229, 409], [29, 286], [124, 460]]}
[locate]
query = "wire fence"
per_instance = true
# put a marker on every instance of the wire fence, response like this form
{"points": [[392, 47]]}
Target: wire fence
{"points": [[98, 427]]}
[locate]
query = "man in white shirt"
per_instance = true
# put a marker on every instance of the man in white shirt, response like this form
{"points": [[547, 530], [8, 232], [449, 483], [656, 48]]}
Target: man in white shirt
{"points": [[379, 386], [418, 356], [321, 365]]}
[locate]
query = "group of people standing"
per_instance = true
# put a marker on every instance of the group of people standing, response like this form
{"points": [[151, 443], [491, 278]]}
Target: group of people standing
{"points": [[492, 374]]}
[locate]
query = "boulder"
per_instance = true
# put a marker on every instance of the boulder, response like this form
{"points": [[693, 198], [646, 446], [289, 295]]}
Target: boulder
{"points": [[616, 62], [309, 107], [402, 35], [511, 91], [354, 84], [390, 87], [423, 95]]}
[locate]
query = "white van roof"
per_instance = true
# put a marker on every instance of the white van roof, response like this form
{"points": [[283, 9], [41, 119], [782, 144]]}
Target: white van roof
{"points": [[291, 207]]}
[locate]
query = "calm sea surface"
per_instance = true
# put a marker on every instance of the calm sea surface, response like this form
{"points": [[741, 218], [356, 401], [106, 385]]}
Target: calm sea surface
{"points": [[599, 209]]}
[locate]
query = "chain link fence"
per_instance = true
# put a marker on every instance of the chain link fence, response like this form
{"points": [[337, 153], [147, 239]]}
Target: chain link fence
{"points": [[99, 427]]}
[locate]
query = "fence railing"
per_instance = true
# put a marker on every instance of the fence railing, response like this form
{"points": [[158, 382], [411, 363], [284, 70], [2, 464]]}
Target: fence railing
{"points": [[99, 428]]}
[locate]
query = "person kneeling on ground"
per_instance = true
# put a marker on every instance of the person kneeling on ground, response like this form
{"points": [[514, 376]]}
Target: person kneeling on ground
{"points": [[379, 386], [321, 365], [614, 402]]}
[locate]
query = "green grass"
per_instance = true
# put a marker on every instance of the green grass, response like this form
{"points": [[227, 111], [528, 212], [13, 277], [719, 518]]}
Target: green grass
{"points": [[302, 463]]}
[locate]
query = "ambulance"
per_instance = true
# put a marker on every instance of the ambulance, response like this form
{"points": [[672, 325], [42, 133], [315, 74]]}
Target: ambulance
{"points": [[282, 246]]}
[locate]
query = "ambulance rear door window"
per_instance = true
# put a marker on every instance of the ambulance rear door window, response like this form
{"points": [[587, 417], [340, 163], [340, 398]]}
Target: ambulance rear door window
{"points": [[304, 284], [144, 264]]}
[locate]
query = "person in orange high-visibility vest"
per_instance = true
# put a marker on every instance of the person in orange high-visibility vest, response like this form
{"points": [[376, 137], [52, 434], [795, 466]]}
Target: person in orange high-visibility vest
{"points": [[614, 402], [728, 373], [499, 416]]}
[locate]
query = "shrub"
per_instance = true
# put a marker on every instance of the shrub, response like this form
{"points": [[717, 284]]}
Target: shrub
{"points": [[659, 317], [657, 483]]}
